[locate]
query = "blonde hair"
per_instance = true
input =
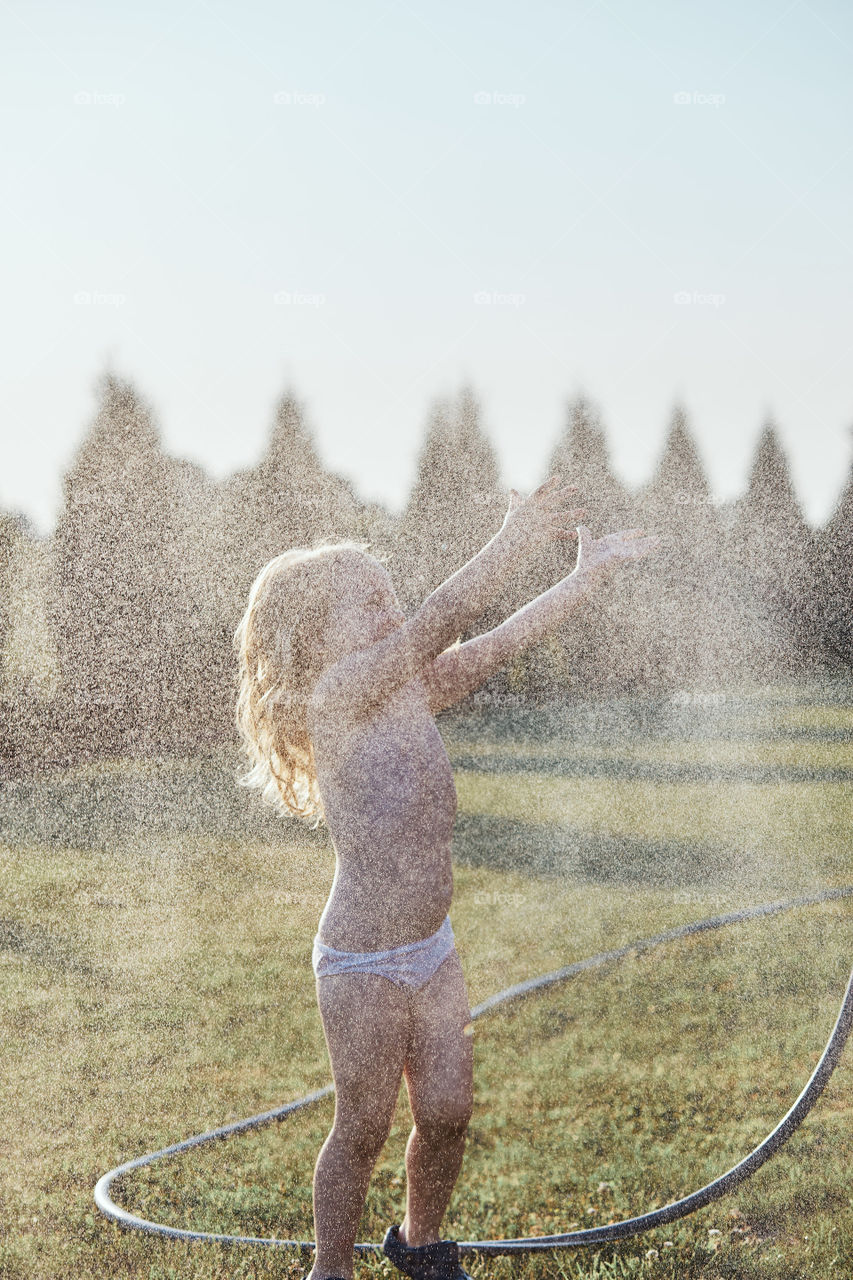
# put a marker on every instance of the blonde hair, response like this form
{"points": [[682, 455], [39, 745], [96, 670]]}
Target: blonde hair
{"points": [[280, 644]]}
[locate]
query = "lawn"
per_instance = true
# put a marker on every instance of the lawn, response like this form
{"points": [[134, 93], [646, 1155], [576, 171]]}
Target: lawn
{"points": [[156, 933]]}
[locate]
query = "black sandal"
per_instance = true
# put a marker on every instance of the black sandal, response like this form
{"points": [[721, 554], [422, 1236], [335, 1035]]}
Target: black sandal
{"points": [[436, 1261]]}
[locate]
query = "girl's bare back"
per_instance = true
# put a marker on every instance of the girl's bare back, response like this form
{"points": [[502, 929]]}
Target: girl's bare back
{"points": [[390, 803]]}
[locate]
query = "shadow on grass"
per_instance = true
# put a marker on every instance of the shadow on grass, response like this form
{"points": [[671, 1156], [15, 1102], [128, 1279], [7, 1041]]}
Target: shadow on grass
{"points": [[650, 770], [104, 806], [38, 944], [100, 806], [550, 849]]}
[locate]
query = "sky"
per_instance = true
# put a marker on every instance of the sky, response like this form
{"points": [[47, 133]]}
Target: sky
{"points": [[373, 205]]}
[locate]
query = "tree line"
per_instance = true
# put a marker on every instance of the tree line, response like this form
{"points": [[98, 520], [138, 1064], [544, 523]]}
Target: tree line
{"points": [[153, 560]]}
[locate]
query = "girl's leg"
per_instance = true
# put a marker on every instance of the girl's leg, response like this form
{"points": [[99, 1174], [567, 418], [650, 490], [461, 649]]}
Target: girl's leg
{"points": [[365, 1021], [439, 1078]]}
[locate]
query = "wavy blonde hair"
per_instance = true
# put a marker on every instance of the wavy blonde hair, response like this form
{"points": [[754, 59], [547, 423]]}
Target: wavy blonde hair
{"points": [[280, 644]]}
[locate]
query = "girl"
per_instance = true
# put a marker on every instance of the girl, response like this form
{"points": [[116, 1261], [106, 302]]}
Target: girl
{"points": [[338, 693]]}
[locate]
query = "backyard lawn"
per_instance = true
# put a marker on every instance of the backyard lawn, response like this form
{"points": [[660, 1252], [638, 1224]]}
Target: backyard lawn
{"points": [[155, 938]]}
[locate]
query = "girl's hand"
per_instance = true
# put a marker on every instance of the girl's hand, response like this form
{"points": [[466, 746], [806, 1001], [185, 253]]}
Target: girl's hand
{"points": [[599, 556], [543, 517]]}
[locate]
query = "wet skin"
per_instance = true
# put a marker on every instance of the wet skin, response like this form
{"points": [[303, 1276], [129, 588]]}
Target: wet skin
{"points": [[388, 794], [390, 802]]}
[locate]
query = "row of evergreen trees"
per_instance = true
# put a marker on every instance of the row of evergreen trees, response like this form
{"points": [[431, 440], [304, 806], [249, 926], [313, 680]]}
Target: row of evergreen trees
{"points": [[154, 560]]}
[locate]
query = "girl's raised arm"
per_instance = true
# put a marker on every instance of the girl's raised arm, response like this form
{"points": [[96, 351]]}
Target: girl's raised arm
{"points": [[366, 677], [457, 672]]}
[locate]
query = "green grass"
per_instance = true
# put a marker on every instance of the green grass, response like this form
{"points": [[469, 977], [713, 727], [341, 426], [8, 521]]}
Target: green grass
{"points": [[156, 982]]}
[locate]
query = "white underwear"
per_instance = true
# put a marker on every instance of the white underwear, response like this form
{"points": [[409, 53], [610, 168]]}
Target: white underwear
{"points": [[410, 965]]}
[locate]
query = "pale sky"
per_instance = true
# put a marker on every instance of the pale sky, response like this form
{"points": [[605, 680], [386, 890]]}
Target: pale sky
{"points": [[375, 203]]}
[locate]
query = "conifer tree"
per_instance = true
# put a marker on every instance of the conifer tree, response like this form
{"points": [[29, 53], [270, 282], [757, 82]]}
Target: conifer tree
{"points": [[202, 645], [455, 506], [9, 743], [771, 556], [8, 534], [687, 628], [119, 608], [24, 627], [287, 500], [583, 657], [581, 457], [835, 552]]}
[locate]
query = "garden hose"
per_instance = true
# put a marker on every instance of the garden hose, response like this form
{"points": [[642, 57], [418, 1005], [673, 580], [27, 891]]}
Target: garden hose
{"points": [[570, 1239]]}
